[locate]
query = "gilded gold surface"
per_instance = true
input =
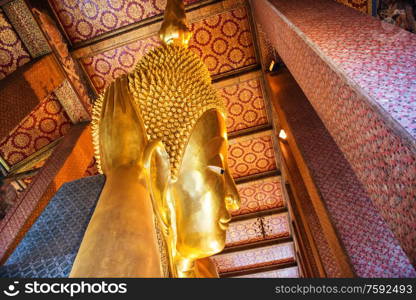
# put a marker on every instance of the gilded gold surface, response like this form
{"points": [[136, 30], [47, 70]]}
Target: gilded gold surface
{"points": [[174, 28], [121, 239], [160, 138]]}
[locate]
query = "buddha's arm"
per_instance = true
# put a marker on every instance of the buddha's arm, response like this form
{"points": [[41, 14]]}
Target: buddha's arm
{"points": [[120, 240]]}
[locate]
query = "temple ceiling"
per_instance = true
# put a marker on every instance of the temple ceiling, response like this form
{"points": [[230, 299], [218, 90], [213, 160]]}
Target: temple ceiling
{"points": [[224, 41], [13, 54], [45, 124], [260, 195], [89, 19]]}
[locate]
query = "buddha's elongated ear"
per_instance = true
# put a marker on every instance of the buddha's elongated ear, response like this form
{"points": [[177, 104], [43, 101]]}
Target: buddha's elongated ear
{"points": [[158, 177]]}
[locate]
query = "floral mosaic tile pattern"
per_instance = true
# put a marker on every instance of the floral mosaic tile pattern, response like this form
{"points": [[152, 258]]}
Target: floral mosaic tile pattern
{"points": [[251, 155], [253, 258], [349, 79], [245, 105], [47, 122], [12, 51], [85, 20], [380, 60], [283, 273], [227, 45], [276, 226], [257, 229], [103, 68], [259, 195], [244, 232]]}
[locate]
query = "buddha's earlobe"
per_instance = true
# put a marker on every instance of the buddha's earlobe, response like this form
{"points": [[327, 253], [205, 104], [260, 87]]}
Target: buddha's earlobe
{"points": [[156, 164]]}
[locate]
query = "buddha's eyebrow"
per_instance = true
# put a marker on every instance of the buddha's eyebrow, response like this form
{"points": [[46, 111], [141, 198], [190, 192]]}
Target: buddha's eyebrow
{"points": [[217, 142], [215, 146]]}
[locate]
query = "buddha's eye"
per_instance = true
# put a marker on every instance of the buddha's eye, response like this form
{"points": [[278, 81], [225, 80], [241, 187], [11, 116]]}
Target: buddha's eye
{"points": [[217, 169]]}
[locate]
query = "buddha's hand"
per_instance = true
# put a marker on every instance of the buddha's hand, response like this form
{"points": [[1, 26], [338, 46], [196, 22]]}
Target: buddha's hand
{"points": [[122, 136]]}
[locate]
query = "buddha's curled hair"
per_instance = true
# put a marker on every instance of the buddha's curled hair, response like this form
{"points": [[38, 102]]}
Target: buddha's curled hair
{"points": [[172, 89]]}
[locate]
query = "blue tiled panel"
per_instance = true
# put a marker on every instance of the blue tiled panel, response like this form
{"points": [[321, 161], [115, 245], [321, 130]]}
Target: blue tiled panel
{"points": [[50, 246]]}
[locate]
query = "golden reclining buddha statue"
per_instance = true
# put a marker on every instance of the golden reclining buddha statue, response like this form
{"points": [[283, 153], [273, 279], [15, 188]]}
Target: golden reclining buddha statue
{"points": [[160, 139]]}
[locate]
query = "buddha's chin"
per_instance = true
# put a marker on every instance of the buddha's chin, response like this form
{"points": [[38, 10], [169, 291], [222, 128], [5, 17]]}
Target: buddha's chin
{"points": [[216, 246], [207, 249]]}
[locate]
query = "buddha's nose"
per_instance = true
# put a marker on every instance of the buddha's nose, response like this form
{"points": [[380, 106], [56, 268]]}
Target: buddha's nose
{"points": [[232, 198]]}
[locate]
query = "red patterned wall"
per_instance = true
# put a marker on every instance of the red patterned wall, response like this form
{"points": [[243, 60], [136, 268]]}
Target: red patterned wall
{"points": [[245, 105], [359, 225], [244, 232], [13, 54], [84, 20], [224, 41], [251, 155], [227, 45], [103, 68], [374, 145], [276, 226], [260, 195], [257, 229], [292, 272], [253, 258], [47, 122]]}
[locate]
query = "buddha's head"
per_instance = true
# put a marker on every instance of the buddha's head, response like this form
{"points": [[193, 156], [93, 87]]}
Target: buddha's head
{"points": [[204, 192], [185, 153]]}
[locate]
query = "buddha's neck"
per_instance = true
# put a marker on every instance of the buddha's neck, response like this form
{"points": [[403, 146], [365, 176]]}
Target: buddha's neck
{"points": [[185, 267]]}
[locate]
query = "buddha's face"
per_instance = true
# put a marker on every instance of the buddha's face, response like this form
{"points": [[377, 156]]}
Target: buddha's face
{"points": [[205, 192]]}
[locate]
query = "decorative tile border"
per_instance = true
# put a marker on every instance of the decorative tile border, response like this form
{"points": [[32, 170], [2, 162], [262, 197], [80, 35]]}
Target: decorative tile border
{"points": [[245, 105], [251, 155], [253, 258], [47, 122], [226, 46], [12, 51], [89, 19], [292, 272], [71, 103], [260, 195], [23, 22]]}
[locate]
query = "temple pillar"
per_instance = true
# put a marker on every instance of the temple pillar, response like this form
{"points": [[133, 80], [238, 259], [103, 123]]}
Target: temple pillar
{"points": [[68, 162], [351, 227]]}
